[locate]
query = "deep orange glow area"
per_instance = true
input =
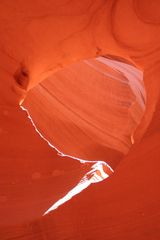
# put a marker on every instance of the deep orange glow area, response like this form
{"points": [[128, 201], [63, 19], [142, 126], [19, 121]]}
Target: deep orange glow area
{"points": [[79, 120]]}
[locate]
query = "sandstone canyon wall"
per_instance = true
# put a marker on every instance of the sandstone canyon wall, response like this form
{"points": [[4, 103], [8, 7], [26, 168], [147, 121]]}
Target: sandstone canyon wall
{"points": [[86, 73]]}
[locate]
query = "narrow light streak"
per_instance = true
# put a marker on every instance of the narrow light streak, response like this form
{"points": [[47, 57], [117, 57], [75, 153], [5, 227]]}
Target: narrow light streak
{"points": [[95, 175]]}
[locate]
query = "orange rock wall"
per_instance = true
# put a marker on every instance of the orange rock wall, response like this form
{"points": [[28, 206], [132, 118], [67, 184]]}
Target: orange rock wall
{"points": [[38, 39]]}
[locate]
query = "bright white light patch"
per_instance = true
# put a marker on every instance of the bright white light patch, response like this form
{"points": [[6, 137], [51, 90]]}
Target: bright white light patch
{"points": [[97, 174]]}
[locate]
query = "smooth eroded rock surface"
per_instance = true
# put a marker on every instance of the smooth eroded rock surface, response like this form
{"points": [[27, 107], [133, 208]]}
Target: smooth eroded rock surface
{"points": [[70, 63]]}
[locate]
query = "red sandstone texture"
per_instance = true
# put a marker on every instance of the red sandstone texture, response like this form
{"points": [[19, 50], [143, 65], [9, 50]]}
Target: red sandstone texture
{"points": [[88, 74]]}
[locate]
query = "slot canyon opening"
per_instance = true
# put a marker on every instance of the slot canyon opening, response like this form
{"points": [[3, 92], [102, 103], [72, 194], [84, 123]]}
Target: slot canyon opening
{"points": [[89, 111]]}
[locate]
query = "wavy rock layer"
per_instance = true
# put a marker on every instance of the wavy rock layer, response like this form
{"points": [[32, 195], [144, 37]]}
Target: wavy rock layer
{"points": [[40, 40], [89, 110]]}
